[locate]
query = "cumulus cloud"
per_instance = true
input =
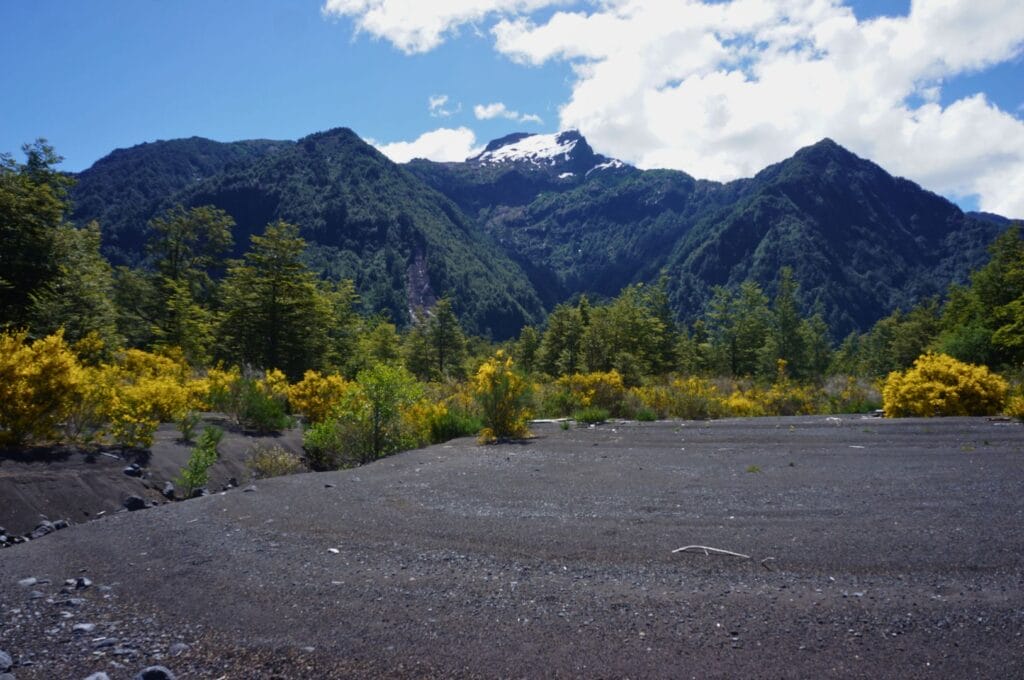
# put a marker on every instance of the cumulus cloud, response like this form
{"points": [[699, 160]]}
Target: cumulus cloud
{"points": [[421, 25], [499, 110], [722, 89], [442, 144]]}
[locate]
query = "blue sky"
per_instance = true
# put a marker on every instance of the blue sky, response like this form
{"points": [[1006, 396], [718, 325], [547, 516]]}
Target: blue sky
{"points": [[94, 76]]}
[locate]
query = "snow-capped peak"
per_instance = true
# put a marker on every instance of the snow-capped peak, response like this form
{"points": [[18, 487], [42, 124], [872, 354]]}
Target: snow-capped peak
{"points": [[536, 149]]}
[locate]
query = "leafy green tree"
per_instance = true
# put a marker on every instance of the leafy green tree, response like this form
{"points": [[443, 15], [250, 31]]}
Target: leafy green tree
{"points": [[377, 343], [33, 204], [560, 349], [785, 341], [527, 348], [274, 312], [982, 323], [737, 326], [388, 390], [447, 341], [187, 247], [79, 297]]}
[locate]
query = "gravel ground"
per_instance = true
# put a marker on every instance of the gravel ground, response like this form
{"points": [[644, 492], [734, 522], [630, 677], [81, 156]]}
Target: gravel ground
{"points": [[877, 549]]}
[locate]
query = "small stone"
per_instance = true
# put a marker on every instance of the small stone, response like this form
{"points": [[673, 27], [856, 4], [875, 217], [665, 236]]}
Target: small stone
{"points": [[200, 492], [36, 595], [249, 489], [169, 491], [82, 582], [61, 524], [7, 676], [104, 643], [154, 673], [98, 676], [328, 486], [232, 483], [133, 503], [83, 627], [178, 648], [5, 661], [133, 470], [41, 530], [28, 582]]}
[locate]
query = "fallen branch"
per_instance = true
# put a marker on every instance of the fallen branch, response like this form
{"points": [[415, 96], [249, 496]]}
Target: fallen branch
{"points": [[708, 550]]}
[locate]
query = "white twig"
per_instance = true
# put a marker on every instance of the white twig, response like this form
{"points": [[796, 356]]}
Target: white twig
{"points": [[708, 550]]}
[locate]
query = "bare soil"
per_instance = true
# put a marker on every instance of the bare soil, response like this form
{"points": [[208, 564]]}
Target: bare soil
{"points": [[878, 549]]}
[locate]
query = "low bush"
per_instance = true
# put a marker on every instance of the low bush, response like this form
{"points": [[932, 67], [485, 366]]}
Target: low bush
{"points": [[273, 461], [196, 473], [939, 385], [646, 415], [592, 415], [316, 396]]}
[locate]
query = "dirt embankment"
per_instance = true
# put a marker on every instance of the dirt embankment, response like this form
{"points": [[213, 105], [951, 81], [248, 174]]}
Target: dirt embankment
{"points": [[878, 549]]}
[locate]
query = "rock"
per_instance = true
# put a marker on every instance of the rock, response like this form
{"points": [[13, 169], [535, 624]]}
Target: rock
{"points": [[249, 489], [41, 530], [98, 676], [200, 492], [5, 661], [178, 648], [83, 627], [28, 582], [61, 524], [169, 491], [104, 643], [82, 582], [232, 483], [36, 595], [133, 470], [133, 503], [154, 673], [7, 676]]}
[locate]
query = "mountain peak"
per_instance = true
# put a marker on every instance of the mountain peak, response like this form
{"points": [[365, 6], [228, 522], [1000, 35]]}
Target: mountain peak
{"points": [[565, 154]]}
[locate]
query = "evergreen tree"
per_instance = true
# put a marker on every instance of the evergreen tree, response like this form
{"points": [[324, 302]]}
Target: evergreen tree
{"points": [[447, 341], [274, 312], [186, 248], [785, 341], [560, 349], [527, 348], [737, 326]]}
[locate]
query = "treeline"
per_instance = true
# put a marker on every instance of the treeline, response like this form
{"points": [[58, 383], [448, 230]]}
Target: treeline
{"points": [[267, 314]]}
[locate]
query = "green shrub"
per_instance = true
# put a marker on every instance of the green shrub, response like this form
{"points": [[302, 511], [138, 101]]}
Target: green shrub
{"points": [[646, 415], [453, 424], [187, 425], [939, 385], [591, 415], [196, 472], [273, 461]]}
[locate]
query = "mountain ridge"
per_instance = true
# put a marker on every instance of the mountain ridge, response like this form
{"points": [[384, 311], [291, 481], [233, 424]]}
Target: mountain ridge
{"points": [[550, 219]]}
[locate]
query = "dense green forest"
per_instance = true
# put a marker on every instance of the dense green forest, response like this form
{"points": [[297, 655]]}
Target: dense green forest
{"points": [[254, 330]]}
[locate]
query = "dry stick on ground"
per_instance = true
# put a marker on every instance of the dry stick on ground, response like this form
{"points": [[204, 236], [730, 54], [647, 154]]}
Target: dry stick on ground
{"points": [[708, 550]]}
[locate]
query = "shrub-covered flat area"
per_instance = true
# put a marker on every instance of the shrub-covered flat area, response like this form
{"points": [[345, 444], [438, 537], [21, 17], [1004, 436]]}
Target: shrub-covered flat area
{"points": [[874, 548]]}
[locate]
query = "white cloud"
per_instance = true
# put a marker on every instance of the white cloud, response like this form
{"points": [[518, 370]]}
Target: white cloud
{"points": [[421, 25], [499, 110], [722, 89], [443, 144], [438, 106]]}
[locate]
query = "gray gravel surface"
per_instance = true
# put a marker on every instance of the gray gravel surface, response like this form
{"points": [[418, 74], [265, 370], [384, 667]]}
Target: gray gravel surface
{"points": [[878, 549]]}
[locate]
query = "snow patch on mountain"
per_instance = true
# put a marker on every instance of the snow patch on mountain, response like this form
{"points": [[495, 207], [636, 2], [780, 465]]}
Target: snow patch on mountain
{"points": [[537, 149]]}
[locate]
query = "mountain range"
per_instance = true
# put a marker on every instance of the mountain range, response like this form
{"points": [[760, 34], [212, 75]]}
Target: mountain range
{"points": [[534, 220]]}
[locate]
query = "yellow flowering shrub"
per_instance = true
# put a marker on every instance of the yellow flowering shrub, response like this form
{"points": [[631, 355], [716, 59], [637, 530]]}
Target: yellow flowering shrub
{"points": [[419, 419], [654, 397], [939, 385], [694, 398], [600, 389], [38, 386], [274, 385], [744, 404], [502, 395], [220, 384], [316, 396], [1015, 407]]}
